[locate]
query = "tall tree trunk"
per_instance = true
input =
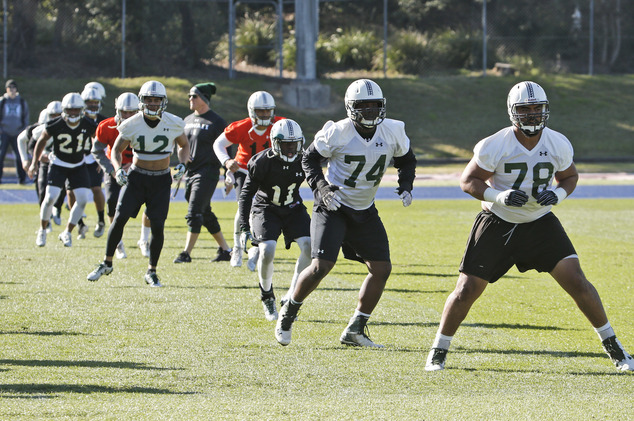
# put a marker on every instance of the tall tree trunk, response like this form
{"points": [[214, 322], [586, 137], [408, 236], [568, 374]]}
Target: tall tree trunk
{"points": [[21, 42], [188, 37]]}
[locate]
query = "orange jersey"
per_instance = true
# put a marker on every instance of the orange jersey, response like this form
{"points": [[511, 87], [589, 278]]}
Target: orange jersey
{"points": [[249, 142], [107, 133]]}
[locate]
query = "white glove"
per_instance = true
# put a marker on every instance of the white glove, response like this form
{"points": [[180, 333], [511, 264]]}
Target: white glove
{"points": [[405, 196], [121, 176], [180, 171], [331, 200], [515, 198], [229, 182], [245, 238]]}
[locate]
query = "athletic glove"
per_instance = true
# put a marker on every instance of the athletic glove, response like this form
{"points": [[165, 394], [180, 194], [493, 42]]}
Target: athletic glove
{"points": [[329, 197], [180, 171], [405, 196], [245, 238], [551, 197], [121, 176], [515, 198]]}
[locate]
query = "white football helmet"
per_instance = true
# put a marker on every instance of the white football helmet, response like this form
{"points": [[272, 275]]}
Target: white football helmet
{"points": [[53, 110], [98, 86], [528, 93], [155, 89], [287, 140], [261, 100], [92, 94], [73, 101], [127, 101], [360, 91]]}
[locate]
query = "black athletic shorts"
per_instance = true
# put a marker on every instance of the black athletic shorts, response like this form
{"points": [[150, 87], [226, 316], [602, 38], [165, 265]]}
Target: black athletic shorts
{"points": [[199, 189], [95, 174], [268, 222], [361, 232], [150, 187], [77, 177], [495, 245]]}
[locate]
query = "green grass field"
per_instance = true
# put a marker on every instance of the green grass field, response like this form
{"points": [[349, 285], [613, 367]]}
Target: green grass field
{"points": [[200, 348]]}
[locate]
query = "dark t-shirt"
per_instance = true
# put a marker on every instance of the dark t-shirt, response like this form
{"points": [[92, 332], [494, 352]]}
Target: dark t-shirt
{"points": [[201, 131]]}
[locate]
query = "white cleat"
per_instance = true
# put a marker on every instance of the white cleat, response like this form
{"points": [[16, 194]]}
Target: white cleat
{"points": [[40, 240], [236, 257], [349, 337], [436, 359], [254, 255], [284, 325], [57, 218], [99, 271], [66, 238], [145, 248], [99, 229], [81, 232], [270, 312], [120, 251], [619, 356]]}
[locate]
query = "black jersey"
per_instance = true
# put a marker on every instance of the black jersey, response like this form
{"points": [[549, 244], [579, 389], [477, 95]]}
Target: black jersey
{"points": [[201, 131], [272, 182], [69, 143], [88, 145]]}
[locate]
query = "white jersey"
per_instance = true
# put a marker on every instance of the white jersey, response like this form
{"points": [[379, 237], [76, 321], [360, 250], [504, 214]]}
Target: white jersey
{"points": [[515, 167], [152, 144], [357, 165]]}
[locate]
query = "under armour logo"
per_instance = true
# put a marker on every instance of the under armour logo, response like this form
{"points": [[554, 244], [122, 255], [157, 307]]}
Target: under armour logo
{"points": [[379, 144], [320, 252], [285, 167], [545, 153], [165, 129], [299, 174]]}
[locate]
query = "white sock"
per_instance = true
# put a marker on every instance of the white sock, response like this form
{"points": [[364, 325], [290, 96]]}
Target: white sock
{"points": [[604, 331], [358, 313], [145, 233], [442, 341]]}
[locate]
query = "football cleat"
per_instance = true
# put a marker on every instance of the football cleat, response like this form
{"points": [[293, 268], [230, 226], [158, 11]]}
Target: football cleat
{"points": [[436, 359], [49, 228], [152, 279], [184, 257], [145, 248], [284, 324], [254, 255], [236, 257], [57, 218], [40, 240], [66, 238], [352, 338], [81, 231], [270, 312], [101, 270], [120, 251], [222, 255], [621, 359], [99, 229]]}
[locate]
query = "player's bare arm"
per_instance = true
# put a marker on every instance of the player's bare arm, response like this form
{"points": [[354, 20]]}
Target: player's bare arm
{"points": [[568, 178], [120, 145], [37, 152], [184, 155], [473, 180]]}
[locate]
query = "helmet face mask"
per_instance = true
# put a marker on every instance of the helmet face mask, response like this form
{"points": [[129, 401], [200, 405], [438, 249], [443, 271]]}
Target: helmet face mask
{"points": [[287, 140], [365, 104], [528, 108], [258, 101], [73, 108], [92, 98], [152, 99]]}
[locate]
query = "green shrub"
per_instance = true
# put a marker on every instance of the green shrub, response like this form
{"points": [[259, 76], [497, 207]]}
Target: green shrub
{"points": [[353, 49]]}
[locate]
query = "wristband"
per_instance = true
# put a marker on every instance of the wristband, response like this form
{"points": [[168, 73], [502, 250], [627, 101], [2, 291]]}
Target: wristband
{"points": [[561, 194], [490, 194]]}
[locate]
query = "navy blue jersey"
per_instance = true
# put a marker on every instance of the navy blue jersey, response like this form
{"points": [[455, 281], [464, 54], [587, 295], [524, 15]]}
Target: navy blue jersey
{"points": [[270, 182], [69, 143]]}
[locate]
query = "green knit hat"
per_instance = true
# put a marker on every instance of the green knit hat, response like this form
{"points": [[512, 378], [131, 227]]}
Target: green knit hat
{"points": [[203, 90]]}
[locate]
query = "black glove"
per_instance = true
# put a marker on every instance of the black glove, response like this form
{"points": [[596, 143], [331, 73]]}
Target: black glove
{"points": [[547, 197], [516, 198]]}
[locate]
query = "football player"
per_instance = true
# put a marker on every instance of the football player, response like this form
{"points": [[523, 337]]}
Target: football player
{"points": [[152, 135], [93, 99], [512, 172], [252, 135], [69, 135], [273, 179], [357, 150], [126, 105], [202, 127]]}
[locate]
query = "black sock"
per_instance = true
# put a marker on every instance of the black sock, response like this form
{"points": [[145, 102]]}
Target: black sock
{"points": [[101, 216]]}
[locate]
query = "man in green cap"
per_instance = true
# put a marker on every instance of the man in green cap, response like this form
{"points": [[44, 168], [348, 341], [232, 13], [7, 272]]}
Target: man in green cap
{"points": [[202, 127]]}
